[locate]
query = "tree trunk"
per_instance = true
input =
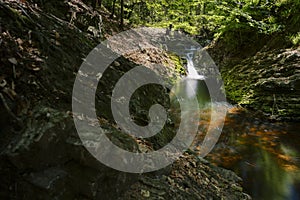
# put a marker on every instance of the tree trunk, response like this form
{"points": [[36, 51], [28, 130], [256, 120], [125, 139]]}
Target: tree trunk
{"points": [[95, 3], [122, 14], [113, 10], [204, 8], [198, 9]]}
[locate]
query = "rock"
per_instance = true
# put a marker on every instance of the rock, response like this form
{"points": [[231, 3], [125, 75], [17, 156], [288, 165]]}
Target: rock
{"points": [[13, 61], [48, 179], [268, 82], [188, 182], [116, 64], [57, 166]]}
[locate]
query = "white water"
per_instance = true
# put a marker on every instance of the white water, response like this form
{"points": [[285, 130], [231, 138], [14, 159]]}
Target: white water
{"points": [[191, 87], [192, 72], [192, 77]]}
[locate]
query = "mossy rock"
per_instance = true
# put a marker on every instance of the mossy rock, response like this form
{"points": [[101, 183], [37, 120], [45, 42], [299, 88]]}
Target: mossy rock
{"points": [[268, 82]]}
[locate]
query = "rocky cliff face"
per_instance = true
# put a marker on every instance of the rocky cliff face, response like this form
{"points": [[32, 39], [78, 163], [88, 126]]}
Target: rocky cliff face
{"points": [[42, 157], [268, 81], [261, 68], [262, 75]]}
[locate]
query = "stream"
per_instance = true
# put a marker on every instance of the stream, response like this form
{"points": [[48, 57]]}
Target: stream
{"points": [[266, 155]]}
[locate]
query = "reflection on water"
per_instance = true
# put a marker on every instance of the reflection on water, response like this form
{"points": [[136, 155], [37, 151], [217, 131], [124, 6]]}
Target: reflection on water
{"points": [[191, 87], [265, 155]]}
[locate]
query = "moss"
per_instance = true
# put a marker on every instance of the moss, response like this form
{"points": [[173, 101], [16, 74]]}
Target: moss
{"points": [[265, 82], [237, 90], [179, 68]]}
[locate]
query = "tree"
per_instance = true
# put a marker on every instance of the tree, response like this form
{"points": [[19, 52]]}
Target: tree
{"points": [[122, 14], [113, 9]]}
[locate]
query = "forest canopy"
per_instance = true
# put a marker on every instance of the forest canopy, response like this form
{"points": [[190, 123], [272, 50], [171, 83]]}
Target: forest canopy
{"points": [[211, 18]]}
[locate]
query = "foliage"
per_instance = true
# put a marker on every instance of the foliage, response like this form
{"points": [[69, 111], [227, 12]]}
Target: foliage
{"points": [[295, 39], [211, 18]]}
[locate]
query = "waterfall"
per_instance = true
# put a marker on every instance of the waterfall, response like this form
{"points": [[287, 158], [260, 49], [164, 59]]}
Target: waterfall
{"points": [[193, 76], [192, 72]]}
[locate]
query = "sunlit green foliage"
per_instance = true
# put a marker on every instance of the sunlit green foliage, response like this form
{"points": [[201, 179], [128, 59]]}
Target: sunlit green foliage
{"points": [[295, 39], [213, 17]]}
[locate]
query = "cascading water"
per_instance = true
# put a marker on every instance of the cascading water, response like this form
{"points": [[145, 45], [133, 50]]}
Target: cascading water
{"points": [[192, 72], [193, 76]]}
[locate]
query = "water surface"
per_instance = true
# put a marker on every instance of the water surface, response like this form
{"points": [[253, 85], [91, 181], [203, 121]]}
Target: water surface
{"points": [[266, 155]]}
